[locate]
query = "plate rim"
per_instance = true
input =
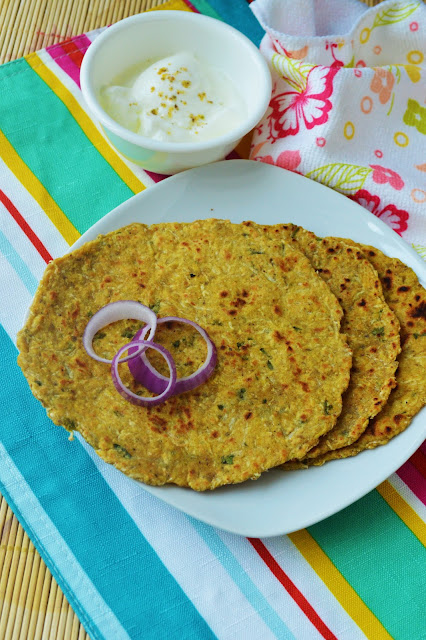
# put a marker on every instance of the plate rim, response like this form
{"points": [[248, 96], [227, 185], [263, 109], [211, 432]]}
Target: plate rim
{"points": [[152, 189], [165, 493]]}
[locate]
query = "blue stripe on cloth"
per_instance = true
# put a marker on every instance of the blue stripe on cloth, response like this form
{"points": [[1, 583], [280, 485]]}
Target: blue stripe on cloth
{"points": [[21, 498], [238, 14], [123, 567], [242, 580], [18, 264]]}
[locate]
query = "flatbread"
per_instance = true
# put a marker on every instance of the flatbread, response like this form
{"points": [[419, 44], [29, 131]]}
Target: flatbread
{"points": [[371, 328], [407, 298], [283, 363]]}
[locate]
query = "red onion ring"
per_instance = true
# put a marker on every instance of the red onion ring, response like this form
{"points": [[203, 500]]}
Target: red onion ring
{"points": [[133, 397], [120, 310], [143, 371]]}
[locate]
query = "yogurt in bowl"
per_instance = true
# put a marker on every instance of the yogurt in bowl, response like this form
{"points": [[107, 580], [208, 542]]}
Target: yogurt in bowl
{"points": [[174, 90], [180, 98]]}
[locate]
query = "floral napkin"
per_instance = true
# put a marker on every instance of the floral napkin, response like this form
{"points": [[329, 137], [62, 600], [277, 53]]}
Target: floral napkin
{"points": [[348, 106]]}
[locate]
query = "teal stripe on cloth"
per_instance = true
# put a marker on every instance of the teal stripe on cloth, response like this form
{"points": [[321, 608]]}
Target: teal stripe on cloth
{"points": [[114, 554], [382, 560], [236, 13], [204, 7], [20, 497], [52, 144], [18, 264], [242, 580]]}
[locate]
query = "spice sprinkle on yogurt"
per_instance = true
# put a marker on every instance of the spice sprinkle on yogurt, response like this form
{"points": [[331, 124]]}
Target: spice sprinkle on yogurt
{"points": [[177, 99]]}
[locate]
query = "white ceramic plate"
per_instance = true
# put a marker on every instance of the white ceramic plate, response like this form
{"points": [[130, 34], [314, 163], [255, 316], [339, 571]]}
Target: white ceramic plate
{"points": [[279, 502]]}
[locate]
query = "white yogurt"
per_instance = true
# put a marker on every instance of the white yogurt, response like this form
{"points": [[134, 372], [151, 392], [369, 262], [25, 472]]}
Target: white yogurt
{"points": [[177, 99]]}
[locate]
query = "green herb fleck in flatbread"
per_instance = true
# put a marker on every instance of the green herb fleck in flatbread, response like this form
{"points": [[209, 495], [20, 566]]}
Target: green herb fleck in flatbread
{"points": [[122, 451]]}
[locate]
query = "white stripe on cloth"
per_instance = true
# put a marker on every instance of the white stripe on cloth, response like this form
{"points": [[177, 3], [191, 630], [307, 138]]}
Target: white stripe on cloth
{"points": [[313, 588], [12, 288], [213, 592], [410, 498], [35, 216], [268, 584], [66, 564], [92, 35], [188, 558], [21, 243]]}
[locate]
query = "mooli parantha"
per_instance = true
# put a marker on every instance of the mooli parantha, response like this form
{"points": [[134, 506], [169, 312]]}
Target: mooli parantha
{"points": [[283, 362], [371, 328], [407, 298]]}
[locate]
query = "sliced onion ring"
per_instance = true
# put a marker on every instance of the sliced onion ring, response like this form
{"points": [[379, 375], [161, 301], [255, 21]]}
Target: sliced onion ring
{"points": [[143, 371], [128, 395], [120, 310]]}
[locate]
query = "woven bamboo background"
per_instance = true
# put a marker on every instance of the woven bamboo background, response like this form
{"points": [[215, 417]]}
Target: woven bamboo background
{"points": [[28, 25], [32, 606]]}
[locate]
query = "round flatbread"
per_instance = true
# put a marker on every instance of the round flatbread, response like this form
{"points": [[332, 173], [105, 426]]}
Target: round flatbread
{"points": [[283, 363], [407, 298], [370, 326]]}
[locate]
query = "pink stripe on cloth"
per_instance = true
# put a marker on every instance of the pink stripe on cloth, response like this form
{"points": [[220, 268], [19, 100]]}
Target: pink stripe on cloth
{"points": [[68, 55], [414, 480], [157, 177], [191, 6], [233, 156]]}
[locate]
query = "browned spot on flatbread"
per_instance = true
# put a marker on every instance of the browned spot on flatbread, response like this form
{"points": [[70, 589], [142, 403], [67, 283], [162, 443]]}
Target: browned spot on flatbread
{"points": [[368, 324], [419, 311], [187, 439]]}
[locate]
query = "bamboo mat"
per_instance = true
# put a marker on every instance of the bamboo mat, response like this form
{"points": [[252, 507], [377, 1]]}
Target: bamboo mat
{"points": [[29, 25], [32, 606]]}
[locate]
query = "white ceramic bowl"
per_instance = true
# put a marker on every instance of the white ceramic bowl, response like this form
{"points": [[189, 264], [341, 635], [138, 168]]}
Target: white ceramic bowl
{"points": [[155, 35]]}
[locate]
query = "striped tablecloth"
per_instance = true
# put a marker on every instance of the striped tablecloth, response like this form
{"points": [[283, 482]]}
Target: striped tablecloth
{"points": [[131, 566]]}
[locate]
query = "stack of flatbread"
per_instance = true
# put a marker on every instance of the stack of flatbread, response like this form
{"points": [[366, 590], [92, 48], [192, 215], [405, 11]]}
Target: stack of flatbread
{"points": [[388, 341], [321, 349]]}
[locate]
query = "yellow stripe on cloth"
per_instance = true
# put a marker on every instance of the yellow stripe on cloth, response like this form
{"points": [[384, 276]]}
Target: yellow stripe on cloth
{"points": [[339, 587], [85, 123], [172, 5], [37, 190], [403, 510]]}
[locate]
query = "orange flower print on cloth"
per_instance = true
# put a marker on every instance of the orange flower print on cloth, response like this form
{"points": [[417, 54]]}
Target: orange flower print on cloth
{"points": [[415, 116], [382, 83], [308, 104], [298, 54], [390, 214]]}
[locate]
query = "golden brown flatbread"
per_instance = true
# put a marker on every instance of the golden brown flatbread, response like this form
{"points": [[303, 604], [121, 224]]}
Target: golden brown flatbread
{"points": [[283, 363], [370, 326], [407, 298]]}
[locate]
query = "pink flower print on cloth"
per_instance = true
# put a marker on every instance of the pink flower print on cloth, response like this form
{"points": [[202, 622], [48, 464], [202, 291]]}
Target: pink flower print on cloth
{"points": [[286, 160], [349, 95], [307, 103], [381, 175], [393, 217]]}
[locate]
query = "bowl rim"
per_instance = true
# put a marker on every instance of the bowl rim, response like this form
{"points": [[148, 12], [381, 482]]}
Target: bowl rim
{"points": [[257, 110]]}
